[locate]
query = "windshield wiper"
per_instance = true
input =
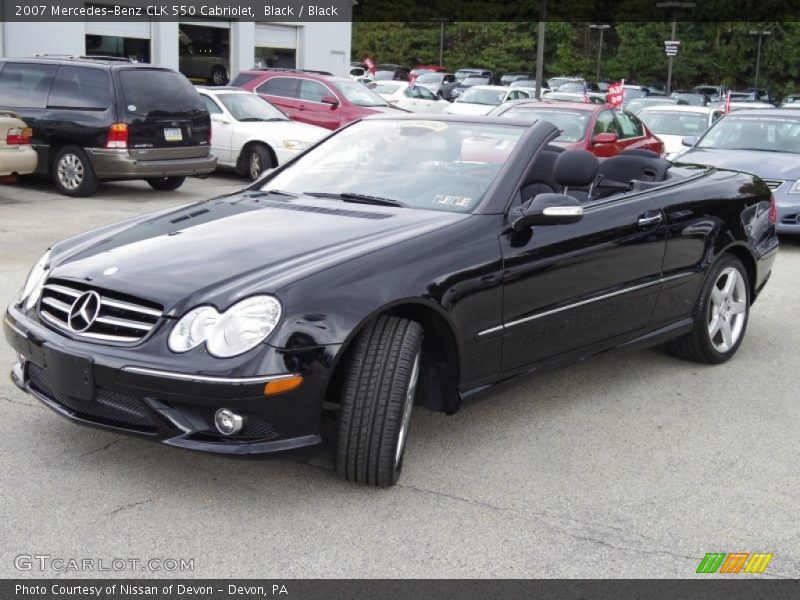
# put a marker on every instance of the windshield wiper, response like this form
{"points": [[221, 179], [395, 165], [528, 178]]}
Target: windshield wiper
{"points": [[262, 193], [359, 198]]}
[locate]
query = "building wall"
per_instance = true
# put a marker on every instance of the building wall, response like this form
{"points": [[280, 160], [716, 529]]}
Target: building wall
{"points": [[320, 46]]}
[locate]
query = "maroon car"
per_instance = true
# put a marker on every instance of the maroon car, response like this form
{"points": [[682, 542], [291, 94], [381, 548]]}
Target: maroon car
{"points": [[315, 98], [599, 128]]}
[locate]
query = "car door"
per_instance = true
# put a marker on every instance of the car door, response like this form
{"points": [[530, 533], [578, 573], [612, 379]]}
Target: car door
{"points": [[222, 126], [574, 286], [282, 92], [605, 123], [412, 100], [428, 102], [634, 135], [311, 109]]}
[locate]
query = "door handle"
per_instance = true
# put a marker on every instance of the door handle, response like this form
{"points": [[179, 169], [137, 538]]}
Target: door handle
{"points": [[650, 218]]}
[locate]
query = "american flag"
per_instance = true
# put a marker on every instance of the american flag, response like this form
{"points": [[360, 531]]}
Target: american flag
{"points": [[585, 93], [726, 107], [370, 63], [412, 82]]}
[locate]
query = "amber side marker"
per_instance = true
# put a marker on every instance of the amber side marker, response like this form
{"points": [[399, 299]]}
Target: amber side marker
{"points": [[280, 386]]}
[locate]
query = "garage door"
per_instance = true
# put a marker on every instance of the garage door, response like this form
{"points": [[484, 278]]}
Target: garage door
{"points": [[275, 36], [124, 29]]}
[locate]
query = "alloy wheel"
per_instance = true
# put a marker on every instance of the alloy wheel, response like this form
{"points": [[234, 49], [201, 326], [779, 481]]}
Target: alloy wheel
{"points": [[727, 310], [255, 165], [70, 171], [407, 406]]}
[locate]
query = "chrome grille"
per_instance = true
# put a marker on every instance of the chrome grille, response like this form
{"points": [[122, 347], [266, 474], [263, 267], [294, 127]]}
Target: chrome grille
{"points": [[773, 184], [121, 318]]}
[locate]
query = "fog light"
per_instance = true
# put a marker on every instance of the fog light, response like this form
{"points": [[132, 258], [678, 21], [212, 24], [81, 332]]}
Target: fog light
{"points": [[228, 422]]}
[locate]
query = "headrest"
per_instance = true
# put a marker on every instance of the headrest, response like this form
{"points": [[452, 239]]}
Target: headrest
{"points": [[575, 168]]}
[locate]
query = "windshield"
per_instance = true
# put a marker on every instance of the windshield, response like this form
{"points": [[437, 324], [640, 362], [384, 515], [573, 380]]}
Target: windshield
{"points": [[434, 165], [383, 75], [430, 78], [572, 123], [385, 87], [482, 96], [360, 95], [754, 132], [674, 123], [251, 107], [462, 75]]}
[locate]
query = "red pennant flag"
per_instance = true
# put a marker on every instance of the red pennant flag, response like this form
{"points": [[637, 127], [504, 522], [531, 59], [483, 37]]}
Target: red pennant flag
{"points": [[616, 93]]}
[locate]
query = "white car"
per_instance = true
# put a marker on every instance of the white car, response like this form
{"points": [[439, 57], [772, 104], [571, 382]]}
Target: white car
{"points": [[251, 135], [481, 99], [417, 99], [17, 156], [672, 122]]}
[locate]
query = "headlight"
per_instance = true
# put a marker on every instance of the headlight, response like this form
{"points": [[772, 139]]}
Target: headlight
{"points": [[795, 189], [239, 329], [33, 285], [294, 145]]}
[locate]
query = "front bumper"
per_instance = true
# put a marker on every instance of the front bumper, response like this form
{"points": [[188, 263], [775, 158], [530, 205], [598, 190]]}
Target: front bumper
{"points": [[788, 218], [119, 164], [123, 390]]}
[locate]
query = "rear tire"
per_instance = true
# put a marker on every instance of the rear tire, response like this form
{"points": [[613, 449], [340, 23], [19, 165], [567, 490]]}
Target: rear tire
{"points": [[377, 398], [166, 184], [73, 173], [720, 316]]}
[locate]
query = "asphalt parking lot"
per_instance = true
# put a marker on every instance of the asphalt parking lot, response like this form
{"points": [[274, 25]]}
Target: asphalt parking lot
{"points": [[631, 465]]}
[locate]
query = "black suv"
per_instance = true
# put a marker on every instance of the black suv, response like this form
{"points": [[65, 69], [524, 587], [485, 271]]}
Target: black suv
{"points": [[106, 118]]}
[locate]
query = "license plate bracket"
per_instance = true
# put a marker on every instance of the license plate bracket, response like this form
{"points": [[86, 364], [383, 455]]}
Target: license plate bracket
{"points": [[68, 374], [173, 134]]}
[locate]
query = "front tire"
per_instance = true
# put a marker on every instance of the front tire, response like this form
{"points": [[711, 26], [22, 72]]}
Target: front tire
{"points": [[73, 173], [377, 399], [257, 160], [720, 316], [166, 184], [219, 76]]}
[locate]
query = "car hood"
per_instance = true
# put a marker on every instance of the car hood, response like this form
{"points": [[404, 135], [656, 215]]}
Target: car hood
{"points": [[767, 165], [466, 108], [285, 130], [218, 251]]}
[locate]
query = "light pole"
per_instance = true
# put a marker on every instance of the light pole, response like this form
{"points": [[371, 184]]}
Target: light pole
{"points": [[674, 6], [760, 34], [602, 29], [540, 48], [441, 39]]}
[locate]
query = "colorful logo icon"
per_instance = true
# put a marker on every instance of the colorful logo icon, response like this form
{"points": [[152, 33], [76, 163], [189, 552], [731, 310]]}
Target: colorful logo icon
{"points": [[734, 562]]}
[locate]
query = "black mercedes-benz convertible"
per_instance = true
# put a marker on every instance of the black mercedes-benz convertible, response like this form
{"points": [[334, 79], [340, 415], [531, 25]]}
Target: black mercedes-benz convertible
{"points": [[402, 261]]}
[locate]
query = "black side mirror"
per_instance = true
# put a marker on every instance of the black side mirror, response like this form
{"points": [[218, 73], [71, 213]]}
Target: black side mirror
{"points": [[547, 209]]}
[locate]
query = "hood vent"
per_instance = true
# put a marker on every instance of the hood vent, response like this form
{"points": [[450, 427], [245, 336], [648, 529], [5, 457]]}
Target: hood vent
{"points": [[342, 212]]}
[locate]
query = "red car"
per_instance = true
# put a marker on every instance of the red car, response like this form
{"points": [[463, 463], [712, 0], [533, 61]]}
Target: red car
{"points": [[420, 69], [314, 98], [599, 128]]}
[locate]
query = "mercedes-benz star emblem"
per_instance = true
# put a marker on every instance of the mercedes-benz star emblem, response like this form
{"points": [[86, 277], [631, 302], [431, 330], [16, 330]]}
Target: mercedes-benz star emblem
{"points": [[84, 311]]}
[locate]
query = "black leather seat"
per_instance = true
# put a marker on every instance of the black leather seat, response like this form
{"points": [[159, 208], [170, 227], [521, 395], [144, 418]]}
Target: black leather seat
{"points": [[576, 171], [540, 178]]}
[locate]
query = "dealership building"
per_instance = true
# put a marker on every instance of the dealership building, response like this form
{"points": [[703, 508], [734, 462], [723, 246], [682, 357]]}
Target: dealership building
{"points": [[201, 49]]}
